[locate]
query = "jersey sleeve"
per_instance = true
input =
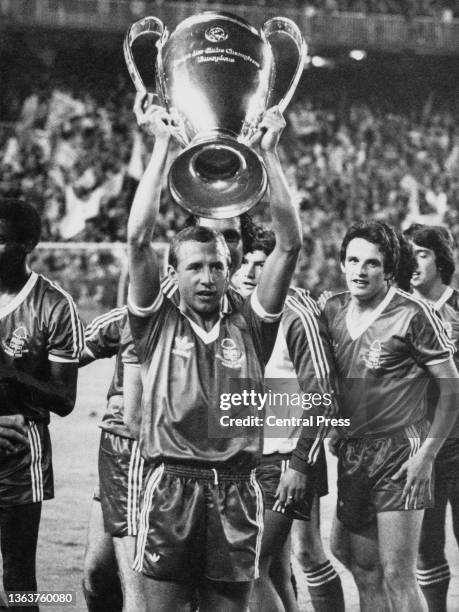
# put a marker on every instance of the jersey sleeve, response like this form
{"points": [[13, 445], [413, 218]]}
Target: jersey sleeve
{"points": [[262, 325], [127, 346], [146, 325], [102, 335], [310, 352], [65, 340], [427, 338]]}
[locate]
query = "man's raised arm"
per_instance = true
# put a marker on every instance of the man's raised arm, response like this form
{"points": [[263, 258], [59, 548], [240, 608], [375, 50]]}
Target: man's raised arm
{"points": [[280, 265], [143, 262]]}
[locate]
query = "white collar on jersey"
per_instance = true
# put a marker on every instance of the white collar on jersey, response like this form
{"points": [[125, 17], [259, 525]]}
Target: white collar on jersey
{"points": [[355, 332], [20, 297], [210, 336], [447, 293]]}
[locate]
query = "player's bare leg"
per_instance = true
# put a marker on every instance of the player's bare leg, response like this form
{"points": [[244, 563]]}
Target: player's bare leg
{"points": [[132, 582], [101, 584], [276, 529], [367, 571], [18, 539], [398, 537], [281, 577], [225, 596], [340, 543], [433, 572], [167, 595], [324, 584]]}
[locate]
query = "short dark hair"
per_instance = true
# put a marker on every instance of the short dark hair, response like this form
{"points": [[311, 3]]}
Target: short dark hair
{"points": [[261, 240], [407, 263], [196, 233], [439, 240], [378, 233], [23, 219]]}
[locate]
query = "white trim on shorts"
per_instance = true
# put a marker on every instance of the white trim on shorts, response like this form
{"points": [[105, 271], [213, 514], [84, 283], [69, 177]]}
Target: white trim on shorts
{"points": [[258, 519], [151, 483], [134, 488], [36, 471]]}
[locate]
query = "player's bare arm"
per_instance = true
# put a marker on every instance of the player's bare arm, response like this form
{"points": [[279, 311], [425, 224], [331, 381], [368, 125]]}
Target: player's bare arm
{"points": [[57, 393], [418, 469], [143, 262], [132, 398], [13, 433], [280, 265]]}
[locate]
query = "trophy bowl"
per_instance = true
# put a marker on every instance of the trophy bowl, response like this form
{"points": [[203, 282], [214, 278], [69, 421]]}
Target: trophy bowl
{"points": [[218, 74]]}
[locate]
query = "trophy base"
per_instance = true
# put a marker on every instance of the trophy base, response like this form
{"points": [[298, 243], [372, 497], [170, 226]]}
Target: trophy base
{"points": [[217, 178]]}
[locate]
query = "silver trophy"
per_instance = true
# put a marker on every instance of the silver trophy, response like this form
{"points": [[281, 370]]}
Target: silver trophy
{"points": [[217, 75]]}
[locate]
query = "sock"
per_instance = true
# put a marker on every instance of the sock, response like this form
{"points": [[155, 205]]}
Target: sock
{"points": [[434, 584], [325, 590]]}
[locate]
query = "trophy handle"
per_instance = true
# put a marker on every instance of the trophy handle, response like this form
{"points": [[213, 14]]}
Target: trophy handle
{"points": [[289, 49], [147, 27]]}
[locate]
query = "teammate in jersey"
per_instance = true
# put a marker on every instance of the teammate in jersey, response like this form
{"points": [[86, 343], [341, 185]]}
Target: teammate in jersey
{"points": [[433, 247], [41, 340], [301, 352], [114, 512], [208, 540], [384, 343]]}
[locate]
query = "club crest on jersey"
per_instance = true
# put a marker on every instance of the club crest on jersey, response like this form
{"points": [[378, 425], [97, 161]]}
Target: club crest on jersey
{"points": [[231, 355], [16, 346], [183, 346], [373, 356]]}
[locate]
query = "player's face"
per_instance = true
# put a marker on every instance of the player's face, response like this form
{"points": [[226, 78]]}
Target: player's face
{"points": [[250, 271], [426, 272], [202, 275], [231, 231], [364, 269]]}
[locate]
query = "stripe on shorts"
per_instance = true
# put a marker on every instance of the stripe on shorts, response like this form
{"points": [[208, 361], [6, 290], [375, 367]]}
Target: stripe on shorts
{"points": [[134, 488], [36, 473], [151, 483], [258, 519]]}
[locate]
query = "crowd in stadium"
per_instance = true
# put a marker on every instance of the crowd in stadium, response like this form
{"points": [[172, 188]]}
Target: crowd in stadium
{"points": [[78, 160], [443, 9]]}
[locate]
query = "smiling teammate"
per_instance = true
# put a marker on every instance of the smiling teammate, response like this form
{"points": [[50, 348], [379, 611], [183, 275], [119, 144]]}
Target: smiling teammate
{"points": [[384, 342]]}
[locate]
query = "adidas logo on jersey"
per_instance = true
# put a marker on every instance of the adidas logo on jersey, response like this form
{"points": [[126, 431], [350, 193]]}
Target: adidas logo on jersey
{"points": [[155, 558], [183, 347]]}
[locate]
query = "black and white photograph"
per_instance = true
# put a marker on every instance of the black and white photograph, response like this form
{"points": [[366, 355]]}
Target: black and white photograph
{"points": [[229, 305]]}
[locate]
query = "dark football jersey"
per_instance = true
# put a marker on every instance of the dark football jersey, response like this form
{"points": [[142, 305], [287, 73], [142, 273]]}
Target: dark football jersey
{"points": [[448, 308], [302, 353], [103, 338], [185, 369], [381, 367], [39, 325]]}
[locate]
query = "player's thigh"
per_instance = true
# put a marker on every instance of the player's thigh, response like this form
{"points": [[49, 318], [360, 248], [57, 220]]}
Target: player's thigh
{"points": [[125, 552], [168, 595], [224, 596], [398, 540], [275, 532], [19, 527], [340, 544], [99, 554], [432, 538]]}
